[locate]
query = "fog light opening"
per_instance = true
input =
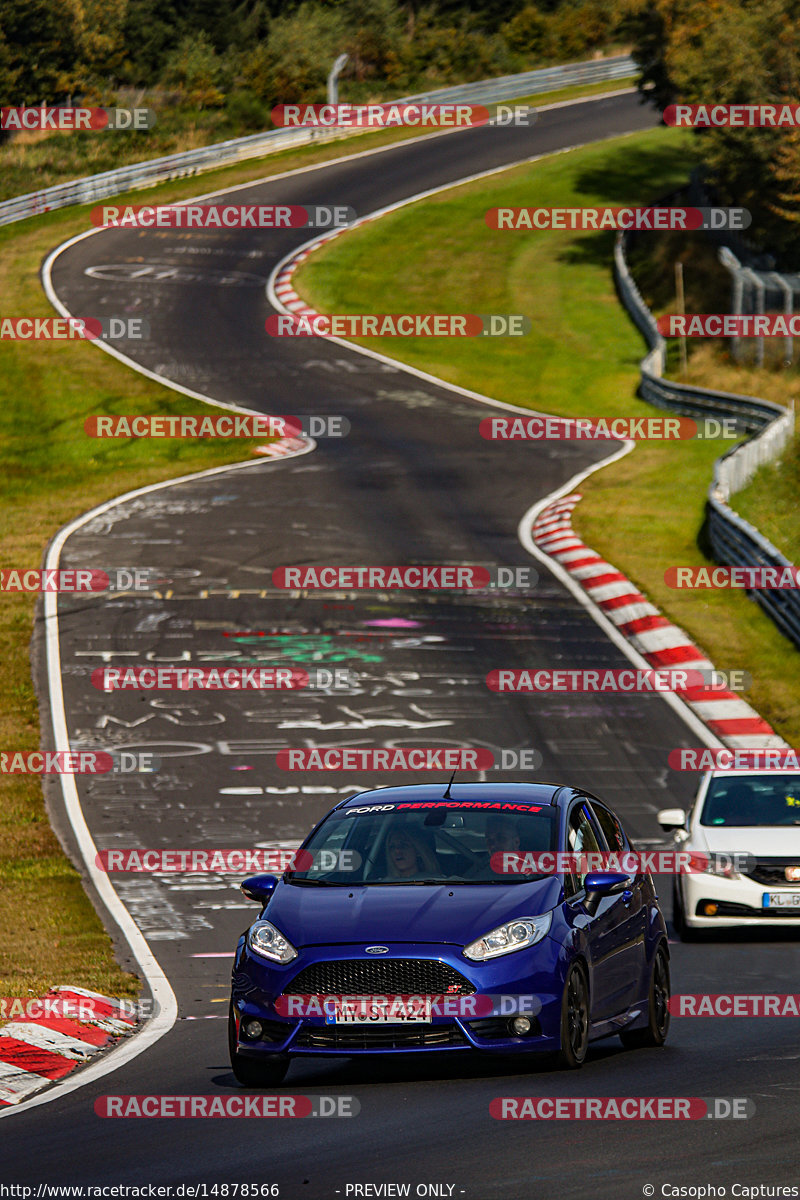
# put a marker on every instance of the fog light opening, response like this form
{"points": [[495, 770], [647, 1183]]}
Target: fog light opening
{"points": [[521, 1026]]}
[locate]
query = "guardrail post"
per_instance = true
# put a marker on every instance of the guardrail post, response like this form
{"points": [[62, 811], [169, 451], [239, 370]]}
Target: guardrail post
{"points": [[758, 285], [333, 78], [788, 308]]}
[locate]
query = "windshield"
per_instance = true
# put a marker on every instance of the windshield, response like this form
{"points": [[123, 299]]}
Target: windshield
{"points": [[756, 800], [445, 842]]}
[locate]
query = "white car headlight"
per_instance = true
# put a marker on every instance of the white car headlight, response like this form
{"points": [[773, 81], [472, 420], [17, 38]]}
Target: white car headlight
{"points": [[264, 939], [726, 866], [515, 935]]}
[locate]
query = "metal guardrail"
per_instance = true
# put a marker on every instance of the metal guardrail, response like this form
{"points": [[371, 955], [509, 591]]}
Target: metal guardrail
{"points": [[529, 83], [733, 540], [192, 162]]}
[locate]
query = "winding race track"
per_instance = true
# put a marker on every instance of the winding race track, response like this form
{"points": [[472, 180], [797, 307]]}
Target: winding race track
{"points": [[413, 480]]}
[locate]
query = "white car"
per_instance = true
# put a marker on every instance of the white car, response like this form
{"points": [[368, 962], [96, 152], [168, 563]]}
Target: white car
{"points": [[745, 829]]}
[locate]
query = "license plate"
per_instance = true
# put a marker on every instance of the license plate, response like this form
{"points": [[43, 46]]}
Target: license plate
{"points": [[415, 1011], [781, 900]]}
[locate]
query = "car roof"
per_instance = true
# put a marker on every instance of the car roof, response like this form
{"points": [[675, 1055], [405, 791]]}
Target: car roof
{"points": [[719, 772], [519, 793]]}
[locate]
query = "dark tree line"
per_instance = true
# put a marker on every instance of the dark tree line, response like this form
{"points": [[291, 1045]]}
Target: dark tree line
{"points": [[207, 50]]}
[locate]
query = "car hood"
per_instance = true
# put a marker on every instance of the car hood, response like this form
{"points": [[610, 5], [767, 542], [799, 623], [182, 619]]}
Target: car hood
{"points": [[770, 841], [458, 914]]}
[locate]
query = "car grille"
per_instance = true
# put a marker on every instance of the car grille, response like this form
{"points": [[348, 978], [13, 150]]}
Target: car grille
{"points": [[379, 1037], [771, 872], [399, 976]]}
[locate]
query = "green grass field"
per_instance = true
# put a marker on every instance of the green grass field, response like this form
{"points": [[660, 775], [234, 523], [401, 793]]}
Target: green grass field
{"points": [[645, 512]]}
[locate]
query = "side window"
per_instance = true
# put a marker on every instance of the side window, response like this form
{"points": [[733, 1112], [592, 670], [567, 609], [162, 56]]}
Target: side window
{"points": [[612, 830], [581, 838]]}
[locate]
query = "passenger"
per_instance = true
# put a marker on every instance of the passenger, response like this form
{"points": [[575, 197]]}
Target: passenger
{"points": [[409, 857]]}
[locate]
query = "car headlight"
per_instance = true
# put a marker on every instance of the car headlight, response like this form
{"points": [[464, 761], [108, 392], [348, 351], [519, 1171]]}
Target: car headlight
{"points": [[515, 935], [725, 866], [264, 939]]}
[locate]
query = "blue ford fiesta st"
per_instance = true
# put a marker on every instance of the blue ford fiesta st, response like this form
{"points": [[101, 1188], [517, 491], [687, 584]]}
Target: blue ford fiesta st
{"points": [[407, 930]]}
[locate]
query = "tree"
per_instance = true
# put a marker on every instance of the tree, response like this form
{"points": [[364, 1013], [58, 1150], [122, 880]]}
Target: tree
{"points": [[196, 69], [733, 52], [41, 49], [294, 62]]}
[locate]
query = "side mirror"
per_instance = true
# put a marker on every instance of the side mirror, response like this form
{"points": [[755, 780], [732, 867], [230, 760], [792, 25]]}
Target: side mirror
{"points": [[671, 818], [604, 883], [259, 887]]}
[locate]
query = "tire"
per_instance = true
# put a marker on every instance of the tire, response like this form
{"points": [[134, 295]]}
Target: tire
{"points": [[655, 1032], [575, 1016], [255, 1072], [684, 932]]}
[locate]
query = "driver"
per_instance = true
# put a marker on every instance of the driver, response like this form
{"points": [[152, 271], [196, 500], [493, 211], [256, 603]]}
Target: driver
{"points": [[500, 835]]}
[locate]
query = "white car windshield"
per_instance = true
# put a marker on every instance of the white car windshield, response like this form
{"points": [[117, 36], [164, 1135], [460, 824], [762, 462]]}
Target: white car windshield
{"points": [[752, 800]]}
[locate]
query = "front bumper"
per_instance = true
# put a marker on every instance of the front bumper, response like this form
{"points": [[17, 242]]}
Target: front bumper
{"points": [[739, 902], [535, 972]]}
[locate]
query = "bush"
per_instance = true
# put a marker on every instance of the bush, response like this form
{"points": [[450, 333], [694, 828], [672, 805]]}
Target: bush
{"points": [[197, 71], [294, 62], [244, 110]]}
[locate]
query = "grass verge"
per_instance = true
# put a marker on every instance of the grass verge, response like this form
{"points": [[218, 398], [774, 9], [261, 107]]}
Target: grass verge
{"points": [[581, 359], [770, 500]]}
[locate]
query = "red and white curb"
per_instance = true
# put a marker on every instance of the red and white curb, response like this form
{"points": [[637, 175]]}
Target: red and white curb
{"points": [[283, 287], [281, 448], [36, 1052], [659, 642]]}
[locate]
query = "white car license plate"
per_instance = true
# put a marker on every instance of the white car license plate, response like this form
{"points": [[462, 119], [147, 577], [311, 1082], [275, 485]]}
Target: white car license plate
{"points": [[781, 900], [414, 1010]]}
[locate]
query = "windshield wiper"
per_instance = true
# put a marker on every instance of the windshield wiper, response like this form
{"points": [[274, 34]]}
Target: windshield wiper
{"points": [[317, 882]]}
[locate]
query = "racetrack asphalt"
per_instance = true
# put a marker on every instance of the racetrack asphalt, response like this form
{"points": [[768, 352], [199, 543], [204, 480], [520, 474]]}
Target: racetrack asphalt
{"points": [[412, 482]]}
